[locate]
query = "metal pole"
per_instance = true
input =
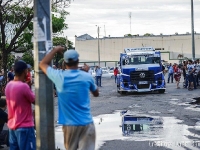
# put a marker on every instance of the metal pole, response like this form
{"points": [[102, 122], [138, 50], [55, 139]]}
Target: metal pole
{"points": [[44, 107], [192, 31], [98, 47]]}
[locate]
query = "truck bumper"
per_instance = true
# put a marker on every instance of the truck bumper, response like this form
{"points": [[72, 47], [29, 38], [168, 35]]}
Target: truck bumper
{"points": [[140, 90]]}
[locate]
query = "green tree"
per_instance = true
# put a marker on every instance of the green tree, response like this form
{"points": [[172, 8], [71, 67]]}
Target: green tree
{"points": [[11, 60], [63, 42], [128, 35], [16, 28], [28, 58], [148, 34]]}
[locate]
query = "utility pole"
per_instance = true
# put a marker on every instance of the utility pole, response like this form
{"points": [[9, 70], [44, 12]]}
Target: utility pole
{"points": [[105, 30], [192, 31], [44, 107], [98, 46], [130, 21]]}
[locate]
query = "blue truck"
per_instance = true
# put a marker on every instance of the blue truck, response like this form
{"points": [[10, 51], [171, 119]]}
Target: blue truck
{"points": [[140, 71]]}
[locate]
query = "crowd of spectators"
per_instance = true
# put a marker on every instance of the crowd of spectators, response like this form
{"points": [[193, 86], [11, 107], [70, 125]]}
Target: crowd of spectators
{"points": [[189, 69]]}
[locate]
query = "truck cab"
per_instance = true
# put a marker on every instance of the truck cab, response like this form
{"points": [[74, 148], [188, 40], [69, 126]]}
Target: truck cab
{"points": [[141, 71]]}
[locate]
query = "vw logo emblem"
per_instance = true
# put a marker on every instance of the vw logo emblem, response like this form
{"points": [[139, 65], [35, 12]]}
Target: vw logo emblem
{"points": [[142, 75]]}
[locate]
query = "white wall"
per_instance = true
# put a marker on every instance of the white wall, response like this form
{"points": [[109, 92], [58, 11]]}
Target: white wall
{"points": [[110, 48]]}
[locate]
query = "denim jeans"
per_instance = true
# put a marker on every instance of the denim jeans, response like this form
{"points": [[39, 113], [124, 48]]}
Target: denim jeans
{"points": [[186, 81], [170, 75], [98, 80], [4, 137], [195, 81], [115, 79], [22, 139]]}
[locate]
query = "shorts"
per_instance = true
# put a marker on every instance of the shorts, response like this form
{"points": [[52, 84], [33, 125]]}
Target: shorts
{"points": [[190, 77], [177, 77], [79, 137], [22, 139]]}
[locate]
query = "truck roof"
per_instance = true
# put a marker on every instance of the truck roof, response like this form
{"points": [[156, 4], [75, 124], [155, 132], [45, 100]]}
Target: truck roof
{"points": [[127, 50]]}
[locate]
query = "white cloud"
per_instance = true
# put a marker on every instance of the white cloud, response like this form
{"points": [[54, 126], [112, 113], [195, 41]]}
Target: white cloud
{"points": [[155, 16]]}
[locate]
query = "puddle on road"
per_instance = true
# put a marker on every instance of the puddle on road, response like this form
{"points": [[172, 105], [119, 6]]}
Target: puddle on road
{"points": [[132, 106], [194, 105], [163, 132], [171, 110], [174, 99], [154, 112], [193, 108], [170, 134], [196, 101]]}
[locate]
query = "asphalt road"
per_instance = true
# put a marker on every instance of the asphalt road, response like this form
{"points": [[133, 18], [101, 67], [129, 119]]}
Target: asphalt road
{"points": [[180, 129]]}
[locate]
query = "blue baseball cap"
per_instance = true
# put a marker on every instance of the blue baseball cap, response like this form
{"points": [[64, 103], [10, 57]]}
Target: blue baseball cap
{"points": [[20, 66], [71, 54]]}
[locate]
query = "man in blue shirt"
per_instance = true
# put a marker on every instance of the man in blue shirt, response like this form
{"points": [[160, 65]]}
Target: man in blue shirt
{"points": [[170, 73], [10, 75], [73, 87]]}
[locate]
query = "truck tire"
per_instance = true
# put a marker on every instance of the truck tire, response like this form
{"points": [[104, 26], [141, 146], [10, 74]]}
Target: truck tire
{"points": [[123, 92], [161, 91], [118, 90]]}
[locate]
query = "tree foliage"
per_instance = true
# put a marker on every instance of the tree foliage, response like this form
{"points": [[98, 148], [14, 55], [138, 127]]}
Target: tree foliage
{"points": [[11, 60], [28, 58], [63, 42], [130, 35], [16, 28], [58, 24], [148, 34]]}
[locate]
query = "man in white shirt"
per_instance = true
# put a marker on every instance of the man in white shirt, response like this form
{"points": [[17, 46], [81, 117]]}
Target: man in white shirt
{"points": [[99, 73], [90, 71]]}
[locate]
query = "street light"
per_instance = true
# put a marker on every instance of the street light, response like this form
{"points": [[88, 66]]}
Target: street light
{"points": [[98, 45], [192, 31]]}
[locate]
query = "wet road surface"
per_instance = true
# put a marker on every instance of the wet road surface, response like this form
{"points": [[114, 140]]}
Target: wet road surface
{"points": [[181, 121], [177, 108]]}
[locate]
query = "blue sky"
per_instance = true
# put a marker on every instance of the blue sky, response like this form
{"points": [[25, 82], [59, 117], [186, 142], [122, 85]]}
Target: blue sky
{"points": [[148, 16]]}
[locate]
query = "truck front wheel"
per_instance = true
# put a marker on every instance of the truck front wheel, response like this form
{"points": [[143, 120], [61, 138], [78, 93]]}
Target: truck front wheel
{"points": [[161, 91], [123, 92]]}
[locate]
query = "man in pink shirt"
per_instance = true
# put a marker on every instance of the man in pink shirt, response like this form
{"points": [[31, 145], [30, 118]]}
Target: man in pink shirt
{"points": [[19, 98]]}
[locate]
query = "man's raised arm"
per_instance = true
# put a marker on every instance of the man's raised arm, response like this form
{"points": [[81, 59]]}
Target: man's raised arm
{"points": [[47, 59]]}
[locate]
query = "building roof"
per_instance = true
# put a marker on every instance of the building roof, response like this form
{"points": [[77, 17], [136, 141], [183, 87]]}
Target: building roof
{"points": [[85, 37], [88, 37]]}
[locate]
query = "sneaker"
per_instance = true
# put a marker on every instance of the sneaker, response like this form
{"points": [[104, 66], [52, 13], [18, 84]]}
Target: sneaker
{"points": [[190, 89]]}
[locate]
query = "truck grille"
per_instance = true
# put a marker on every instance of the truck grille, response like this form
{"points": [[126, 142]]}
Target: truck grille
{"points": [[143, 86], [136, 76]]}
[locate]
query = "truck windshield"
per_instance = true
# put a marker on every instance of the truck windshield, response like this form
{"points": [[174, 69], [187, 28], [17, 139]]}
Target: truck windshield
{"points": [[136, 60]]}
